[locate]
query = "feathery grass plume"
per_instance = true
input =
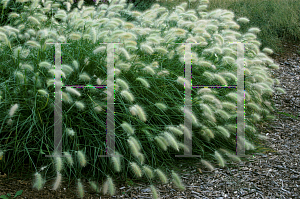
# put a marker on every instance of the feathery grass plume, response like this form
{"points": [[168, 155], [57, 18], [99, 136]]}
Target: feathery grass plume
{"points": [[148, 69], [232, 96], [186, 131], [39, 182], [13, 110], [141, 113], [128, 128], [74, 36], [281, 90], [134, 149], [70, 132], [160, 143], [94, 187], [147, 48], [66, 68], [133, 110], [207, 131], [163, 178], [136, 169], [33, 44], [141, 158], [100, 49], [137, 144], [69, 158], [172, 141], [122, 83], [177, 181], [148, 171], [223, 131], [125, 53], [220, 159], [116, 162], [58, 163], [191, 115], [254, 30], [207, 165], [79, 105], [174, 130], [75, 64], [154, 192], [57, 181], [207, 97], [223, 114], [105, 187], [81, 158], [143, 81], [204, 90], [84, 76], [45, 64], [80, 189], [254, 106], [128, 25], [111, 186], [161, 106], [184, 82], [268, 51], [52, 71], [161, 50], [127, 95], [243, 20], [98, 109], [43, 92], [16, 51], [33, 20], [66, 97]]}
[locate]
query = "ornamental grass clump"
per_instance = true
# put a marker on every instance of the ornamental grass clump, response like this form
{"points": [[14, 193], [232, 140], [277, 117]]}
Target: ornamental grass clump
{"points": [[149, 88]]}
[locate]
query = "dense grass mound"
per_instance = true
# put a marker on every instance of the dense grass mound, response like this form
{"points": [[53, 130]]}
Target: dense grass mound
{"points": [[149, 88]]}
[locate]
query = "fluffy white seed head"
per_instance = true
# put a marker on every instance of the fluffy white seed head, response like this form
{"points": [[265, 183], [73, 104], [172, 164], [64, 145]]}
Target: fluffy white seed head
{"points": [[79, 105], [84, 76], [81, 158], [175, 130], [116, 162], [136, 169], [57, 181], [177, 181], [154, 192], [161, 106], [39, 182], [163, 178], [220, 159], [43, 92], [73, 91], [123, 84], [13, 110], [69, 158], [128, 128], [172, 141], [80, 189], [127, 95], [143, 81], [148, 171], [243, 20], [207, 165]]}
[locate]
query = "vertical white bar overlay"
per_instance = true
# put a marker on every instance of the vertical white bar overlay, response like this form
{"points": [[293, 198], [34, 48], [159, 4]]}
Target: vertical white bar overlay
{"points": [[240, 150], [188, 103]]}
